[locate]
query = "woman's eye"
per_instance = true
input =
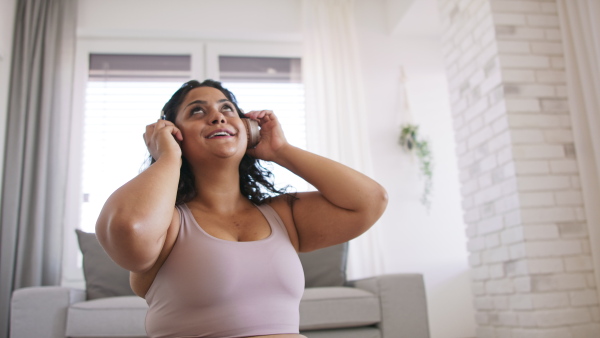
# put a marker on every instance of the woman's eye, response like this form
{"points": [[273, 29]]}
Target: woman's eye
{"points": [[196, 110], [229, 110]]}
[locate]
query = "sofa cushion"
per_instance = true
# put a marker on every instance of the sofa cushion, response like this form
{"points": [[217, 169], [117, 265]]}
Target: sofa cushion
{"points": [[108, 317], [358, 332], [325, 267], [103, 277], [320, 309], [338, 307]]}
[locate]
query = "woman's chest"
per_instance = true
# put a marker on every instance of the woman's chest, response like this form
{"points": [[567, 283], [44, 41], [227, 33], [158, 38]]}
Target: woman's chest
{"points": [[204, 271], [245, 227]]}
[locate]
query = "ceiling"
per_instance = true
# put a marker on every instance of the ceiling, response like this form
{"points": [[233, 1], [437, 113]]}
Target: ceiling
{"points": [[418, 18]]}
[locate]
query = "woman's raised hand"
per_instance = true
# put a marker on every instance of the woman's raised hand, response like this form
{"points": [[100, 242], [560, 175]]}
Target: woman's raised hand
{"points": [[272, 139], [163, 137]]}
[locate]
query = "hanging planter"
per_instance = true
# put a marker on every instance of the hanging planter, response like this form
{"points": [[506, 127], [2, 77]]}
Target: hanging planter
{"points": [[413, 142]]}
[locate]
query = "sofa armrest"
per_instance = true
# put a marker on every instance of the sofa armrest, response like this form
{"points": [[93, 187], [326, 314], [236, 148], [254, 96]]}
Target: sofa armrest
{"points": [[42, 311], [403, 304]]}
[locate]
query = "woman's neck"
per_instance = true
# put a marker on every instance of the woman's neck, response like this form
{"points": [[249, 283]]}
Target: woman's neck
{"points": [[218, 188]]}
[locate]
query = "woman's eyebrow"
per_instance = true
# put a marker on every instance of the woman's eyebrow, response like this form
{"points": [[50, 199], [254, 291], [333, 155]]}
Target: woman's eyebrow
{"points": [[204, 102]]}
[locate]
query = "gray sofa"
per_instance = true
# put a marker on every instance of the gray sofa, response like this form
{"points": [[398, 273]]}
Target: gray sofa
{"points": [[389, 306]]}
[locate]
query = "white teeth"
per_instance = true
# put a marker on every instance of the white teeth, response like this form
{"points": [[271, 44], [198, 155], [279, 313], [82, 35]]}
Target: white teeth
{"points": [[221, 133]]}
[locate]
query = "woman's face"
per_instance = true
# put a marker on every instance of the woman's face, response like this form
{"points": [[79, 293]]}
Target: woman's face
{"points": [[210, 126]]}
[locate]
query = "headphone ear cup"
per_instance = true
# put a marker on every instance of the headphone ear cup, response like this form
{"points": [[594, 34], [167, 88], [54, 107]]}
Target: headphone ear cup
{"points": [[252, 131]]}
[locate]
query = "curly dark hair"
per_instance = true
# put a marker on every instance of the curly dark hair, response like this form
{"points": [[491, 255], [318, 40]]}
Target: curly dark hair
{"points": [[253, 175]]}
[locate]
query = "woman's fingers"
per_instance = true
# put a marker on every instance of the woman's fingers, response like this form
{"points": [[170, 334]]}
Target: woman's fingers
{"points": [[167, 126], [262, 116], [162, 136], [172, 129], [272, 137]]}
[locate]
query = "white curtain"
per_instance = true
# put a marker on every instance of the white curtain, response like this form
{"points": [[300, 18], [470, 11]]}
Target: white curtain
{"points": [[37, 143], [336, 110], [581, 38]]}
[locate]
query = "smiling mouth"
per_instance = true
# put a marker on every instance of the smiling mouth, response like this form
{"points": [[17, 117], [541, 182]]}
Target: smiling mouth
{"points": [[220, 133]]}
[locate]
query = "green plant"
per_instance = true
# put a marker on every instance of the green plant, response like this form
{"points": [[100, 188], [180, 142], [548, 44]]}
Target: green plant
{"points": [[413, 142]]}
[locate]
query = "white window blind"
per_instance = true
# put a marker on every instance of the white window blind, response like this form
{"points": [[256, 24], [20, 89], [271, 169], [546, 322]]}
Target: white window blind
{"points": [[271, 83]]}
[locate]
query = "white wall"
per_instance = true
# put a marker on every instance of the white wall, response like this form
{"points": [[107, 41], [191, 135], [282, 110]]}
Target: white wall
{"points": [[395, 11], [213, 19], [7, 21], [432, 244]]}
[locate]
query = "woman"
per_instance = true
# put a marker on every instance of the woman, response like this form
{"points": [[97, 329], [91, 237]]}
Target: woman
{"points": [[211, 253]]}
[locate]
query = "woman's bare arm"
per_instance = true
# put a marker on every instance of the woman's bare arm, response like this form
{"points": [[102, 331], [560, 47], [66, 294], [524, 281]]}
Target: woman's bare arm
{"points": [[133, 223], [346, 204]]}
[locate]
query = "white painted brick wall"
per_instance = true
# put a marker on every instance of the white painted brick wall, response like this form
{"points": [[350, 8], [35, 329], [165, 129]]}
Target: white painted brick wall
{"points": [[583, 298], [578, 264], [536, 199], [550, 300], [545, 265], [529, 248], [586, 331], [534, 232], [562, 317]]}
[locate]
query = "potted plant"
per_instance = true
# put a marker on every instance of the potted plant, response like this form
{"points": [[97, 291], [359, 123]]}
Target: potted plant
{"points": [[411, 140]]}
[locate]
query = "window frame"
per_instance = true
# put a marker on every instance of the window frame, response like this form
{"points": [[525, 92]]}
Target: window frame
{"points": [[262, 49]]}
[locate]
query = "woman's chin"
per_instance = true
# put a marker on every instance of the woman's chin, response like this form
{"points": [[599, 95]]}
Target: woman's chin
{"points": [[232, 152], [211, 151]]}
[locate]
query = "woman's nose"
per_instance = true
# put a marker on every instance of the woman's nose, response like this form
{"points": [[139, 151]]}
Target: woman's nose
{"points": [[218, 118]]}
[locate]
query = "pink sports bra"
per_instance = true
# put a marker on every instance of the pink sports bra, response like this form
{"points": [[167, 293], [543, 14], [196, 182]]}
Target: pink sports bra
{"points": [[210, 287]]}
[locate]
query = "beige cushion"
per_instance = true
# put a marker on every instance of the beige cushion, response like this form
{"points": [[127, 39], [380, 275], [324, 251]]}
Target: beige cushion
{"points": [[108, 317], [103, 277], [325, 267], [338, 307]]}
